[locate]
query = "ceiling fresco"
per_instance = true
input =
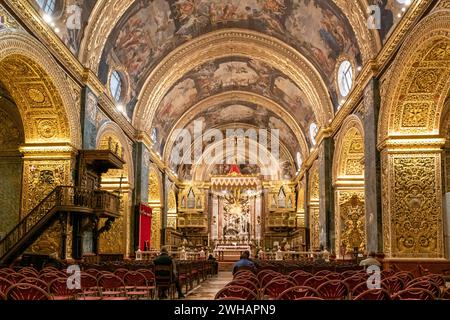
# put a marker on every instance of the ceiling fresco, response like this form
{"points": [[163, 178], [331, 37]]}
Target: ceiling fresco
{"points": [[68, 19], [286, 169], [149, 30], [391, 14], [227, 114], [228, 74]]}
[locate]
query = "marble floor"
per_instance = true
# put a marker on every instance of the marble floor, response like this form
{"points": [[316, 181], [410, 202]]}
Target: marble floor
{"points": [[208, 289]]}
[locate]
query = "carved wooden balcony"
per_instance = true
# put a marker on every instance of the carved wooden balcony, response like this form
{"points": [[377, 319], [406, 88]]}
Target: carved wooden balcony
{"points": [[283, 221], [193, 222]]}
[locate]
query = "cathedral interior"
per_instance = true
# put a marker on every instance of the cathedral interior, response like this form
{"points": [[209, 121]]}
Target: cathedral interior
{"points": [[285, 127]]}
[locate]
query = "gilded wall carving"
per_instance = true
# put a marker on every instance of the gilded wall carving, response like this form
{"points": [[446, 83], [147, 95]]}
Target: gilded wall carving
{"points": [[40, 90], [415, 210], [154, 198], [350, 221], [10, 187], [314, 226], [314, 211], [172, 210], [40, 178]]}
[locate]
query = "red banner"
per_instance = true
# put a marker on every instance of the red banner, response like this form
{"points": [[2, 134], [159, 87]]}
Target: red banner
{"points": [[145, 229]]}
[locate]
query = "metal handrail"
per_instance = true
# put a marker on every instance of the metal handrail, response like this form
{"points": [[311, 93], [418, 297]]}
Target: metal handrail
{"points": [[61, 196]]}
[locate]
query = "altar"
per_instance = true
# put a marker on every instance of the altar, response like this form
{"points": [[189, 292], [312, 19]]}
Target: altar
{"points": [[236, 222], [231, 252]]}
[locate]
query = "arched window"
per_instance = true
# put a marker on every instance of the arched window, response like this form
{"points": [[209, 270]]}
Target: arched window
{"points": [[48, 6], [115, 86], [313, 130], [345, 78]]}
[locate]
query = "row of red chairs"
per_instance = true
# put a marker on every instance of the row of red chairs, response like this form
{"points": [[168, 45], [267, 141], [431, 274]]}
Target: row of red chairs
{"points": [[269, 284], [94, 285]]}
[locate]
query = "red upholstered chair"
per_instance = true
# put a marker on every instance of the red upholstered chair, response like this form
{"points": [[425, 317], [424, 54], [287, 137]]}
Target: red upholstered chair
{"points": [[414, 294], [374, 294], [348, 273], [137, 285], [387, 273], [241, 272], [428, 285], [48, 269], [362, 287], [5, 285], [35, 281], [112, 287], [149, 276], [264, 272], [333, 290], [298, 292], [437, 279], [15, 277], [25, 292], [267, 278], [231, 299], [89, 288], [2, 296], [393, 284], [276, 287], [300, 278], [59, 290], [334, 276], [50, 276], [446, 294], [406, 276], [121, 272], [310, 298], [29, 272], [236, 292], [93, 272], [315, 282], [245, 283], [322, 273], [353, 281]]}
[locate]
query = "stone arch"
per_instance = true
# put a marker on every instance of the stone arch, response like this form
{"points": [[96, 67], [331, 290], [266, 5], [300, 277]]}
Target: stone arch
{"points": [[223, 43], [106, 15], [409, 128], [348, 181], [349, 150], [111, 129], [40, 90], [415, 98], [238, 96]]}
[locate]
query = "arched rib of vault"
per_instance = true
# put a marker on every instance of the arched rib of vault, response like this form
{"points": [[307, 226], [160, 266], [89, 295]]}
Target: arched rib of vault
{"points": [[107, 13], [104, 17], [232, 42], [430, 32], [237, 96], [22, 44], [201, 169], [276, 169]]}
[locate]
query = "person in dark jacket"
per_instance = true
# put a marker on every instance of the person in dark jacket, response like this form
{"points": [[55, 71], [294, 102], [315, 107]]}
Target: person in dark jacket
{"points": [[165, 260]]}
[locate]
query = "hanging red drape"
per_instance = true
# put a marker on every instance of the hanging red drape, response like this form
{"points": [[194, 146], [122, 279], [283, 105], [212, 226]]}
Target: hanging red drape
{"points": [[145, 230]]}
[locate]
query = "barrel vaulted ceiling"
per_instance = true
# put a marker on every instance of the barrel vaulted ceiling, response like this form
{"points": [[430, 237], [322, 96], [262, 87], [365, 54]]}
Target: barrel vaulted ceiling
{"points": [[137, 37]]}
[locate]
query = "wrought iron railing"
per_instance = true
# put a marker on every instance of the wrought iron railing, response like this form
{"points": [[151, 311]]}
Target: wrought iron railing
{"points": [[62, 198]]}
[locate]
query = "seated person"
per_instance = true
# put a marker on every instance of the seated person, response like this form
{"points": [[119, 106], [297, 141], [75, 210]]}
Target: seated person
{"points": [[165, 260], [244, 262], [370, 261]]}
